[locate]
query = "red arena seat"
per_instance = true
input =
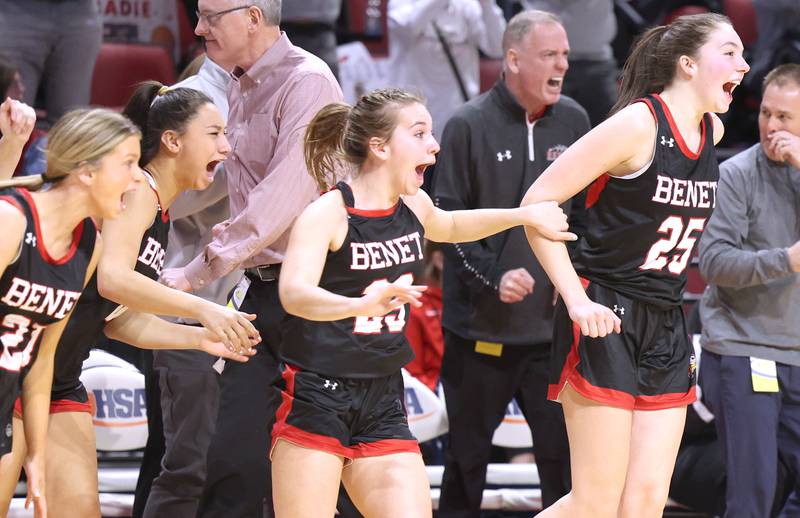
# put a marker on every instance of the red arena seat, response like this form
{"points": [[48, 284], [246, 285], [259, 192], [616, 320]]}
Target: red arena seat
{"points": [[490, 72], [120, 66], [685, 10], [743, 16]]}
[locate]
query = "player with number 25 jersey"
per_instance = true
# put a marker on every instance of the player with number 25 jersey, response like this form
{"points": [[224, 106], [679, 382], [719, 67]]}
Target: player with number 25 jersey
{"points": [[642, 230]]}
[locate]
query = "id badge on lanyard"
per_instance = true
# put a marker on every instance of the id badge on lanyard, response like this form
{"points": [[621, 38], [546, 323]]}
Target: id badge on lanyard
{"points": [[764, 374]]}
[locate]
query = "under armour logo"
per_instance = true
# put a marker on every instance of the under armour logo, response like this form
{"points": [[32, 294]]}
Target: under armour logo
{"points": [[504, 156], [331, 384], [30, 239], [619, 310], [665, 142]]}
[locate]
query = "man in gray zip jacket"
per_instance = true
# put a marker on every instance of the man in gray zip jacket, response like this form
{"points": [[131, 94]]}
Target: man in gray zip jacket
{"points": [[750, 256]]}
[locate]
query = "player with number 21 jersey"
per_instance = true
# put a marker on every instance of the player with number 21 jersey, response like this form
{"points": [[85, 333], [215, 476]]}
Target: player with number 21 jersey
{"points": [[36, 290]]}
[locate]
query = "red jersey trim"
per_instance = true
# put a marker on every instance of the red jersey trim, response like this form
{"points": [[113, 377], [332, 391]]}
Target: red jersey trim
{"points": [[76, 235], [384, 447], [380, 213], [164, 212], [677, 134], [59, 406], [596, 189]]}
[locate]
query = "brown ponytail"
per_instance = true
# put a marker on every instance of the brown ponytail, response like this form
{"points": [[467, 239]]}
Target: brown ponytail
{"points": [[652, 64], [340, 133], [323, 143]]}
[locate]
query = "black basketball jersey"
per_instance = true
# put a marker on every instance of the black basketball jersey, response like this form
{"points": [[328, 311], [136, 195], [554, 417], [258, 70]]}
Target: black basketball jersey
{"points": [[36, 290], [642, 228], [380, 247], [89, 319]]}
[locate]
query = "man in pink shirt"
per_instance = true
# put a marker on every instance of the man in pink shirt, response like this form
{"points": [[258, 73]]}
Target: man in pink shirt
{"points": [[276, 90]]}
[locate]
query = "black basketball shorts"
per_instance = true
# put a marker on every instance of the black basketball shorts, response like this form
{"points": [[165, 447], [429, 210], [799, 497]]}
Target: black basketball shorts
{"points": [[348, 417], [649, 366]]}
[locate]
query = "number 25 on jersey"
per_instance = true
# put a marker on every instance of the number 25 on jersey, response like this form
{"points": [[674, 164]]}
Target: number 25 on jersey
{"points": [[674, 250]]}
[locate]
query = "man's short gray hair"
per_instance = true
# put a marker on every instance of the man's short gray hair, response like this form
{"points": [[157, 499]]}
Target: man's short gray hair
{"points": [[271, 9], [521, 24]]}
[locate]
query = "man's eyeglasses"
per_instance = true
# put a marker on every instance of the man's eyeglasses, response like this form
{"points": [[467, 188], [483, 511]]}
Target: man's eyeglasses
{"points": [[213, 18]]}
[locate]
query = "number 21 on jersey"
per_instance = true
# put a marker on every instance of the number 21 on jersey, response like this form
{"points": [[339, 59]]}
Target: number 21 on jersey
{"points": [[674, 250], [16, 330], [394, 322]]}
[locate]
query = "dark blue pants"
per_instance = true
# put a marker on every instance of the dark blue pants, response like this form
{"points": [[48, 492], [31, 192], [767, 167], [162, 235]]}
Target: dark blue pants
{"points": [[754, 429]]}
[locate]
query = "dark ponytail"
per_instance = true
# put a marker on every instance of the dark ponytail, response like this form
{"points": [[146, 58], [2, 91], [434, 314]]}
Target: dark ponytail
{"points": [[653, 62], [156, 108]]}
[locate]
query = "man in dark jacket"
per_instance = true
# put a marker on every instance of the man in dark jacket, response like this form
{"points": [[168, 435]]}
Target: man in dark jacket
{"points": [[498, 301]]}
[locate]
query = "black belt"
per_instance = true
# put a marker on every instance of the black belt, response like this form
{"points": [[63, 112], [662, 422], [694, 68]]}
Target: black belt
{"points": [[265, 273]]}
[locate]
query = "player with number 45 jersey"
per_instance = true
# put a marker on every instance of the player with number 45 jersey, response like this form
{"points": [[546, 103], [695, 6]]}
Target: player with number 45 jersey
{"points": [[346, 282]]}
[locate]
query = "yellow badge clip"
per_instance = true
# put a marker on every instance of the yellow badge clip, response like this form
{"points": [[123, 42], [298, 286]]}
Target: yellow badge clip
{"points": [[489, 348]]}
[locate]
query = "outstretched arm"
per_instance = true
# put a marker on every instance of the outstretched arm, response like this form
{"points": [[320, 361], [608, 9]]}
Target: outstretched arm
{"points": [[458, 226], [148, 331], [117, 279]]}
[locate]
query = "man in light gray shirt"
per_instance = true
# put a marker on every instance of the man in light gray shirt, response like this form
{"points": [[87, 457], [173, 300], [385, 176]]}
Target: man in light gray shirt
{"points": [[750, 255]]}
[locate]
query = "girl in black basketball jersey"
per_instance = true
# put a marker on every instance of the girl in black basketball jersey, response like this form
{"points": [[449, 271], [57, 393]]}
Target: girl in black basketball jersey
{"points": [[48, 252], [347, 278], [623, 367], [183, 141]]}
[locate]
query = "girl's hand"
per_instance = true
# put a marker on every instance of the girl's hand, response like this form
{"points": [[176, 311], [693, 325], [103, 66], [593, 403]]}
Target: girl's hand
{"points": [[233, 328], [595, 320], [549, 220], [211, 345], [381, 298], [16, 120], [175, 278], [34, 471]]}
